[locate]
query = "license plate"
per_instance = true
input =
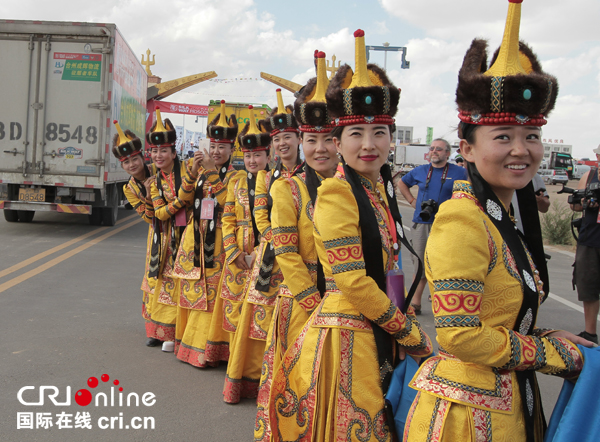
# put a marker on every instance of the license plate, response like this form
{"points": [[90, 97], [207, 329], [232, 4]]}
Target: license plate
{"points": [[37, 195]]}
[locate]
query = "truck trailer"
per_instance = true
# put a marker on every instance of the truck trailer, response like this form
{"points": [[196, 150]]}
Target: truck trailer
{"points": [[62, 86]]}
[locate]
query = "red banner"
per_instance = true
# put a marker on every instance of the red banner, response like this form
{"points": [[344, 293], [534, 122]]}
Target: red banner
{"points": [[177, 108]]}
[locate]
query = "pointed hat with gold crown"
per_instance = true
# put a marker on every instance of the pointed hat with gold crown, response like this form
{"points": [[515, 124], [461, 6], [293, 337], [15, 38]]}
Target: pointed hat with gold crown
{"points": [[254, 137], [222, 129], [514, 90], [363, 96], [281, 118], [310, 108], [162, 133], [125, 144]]}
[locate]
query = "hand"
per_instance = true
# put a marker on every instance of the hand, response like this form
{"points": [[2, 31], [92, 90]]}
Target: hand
{"points": [[413, 203], [571, 337], [198, 157], [209, 162], [240, 261], [402, 355], [148, 185]]}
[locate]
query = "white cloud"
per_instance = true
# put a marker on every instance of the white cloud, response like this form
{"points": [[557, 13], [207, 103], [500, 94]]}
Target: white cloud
{"points": [[239, 39]]}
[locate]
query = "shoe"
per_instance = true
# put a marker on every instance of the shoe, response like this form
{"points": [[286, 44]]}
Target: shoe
{"points": [[168, 346], [589, 337], [152, 342], [417, 308], [429, 298]]}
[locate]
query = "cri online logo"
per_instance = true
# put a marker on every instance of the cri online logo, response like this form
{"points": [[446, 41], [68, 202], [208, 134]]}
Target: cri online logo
{"points": [[84, 397]]}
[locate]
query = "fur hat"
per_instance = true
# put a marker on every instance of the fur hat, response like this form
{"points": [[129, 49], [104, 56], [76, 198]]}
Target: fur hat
{"points": [[221, 129], [281, 118], [310, 108], [254, 137], [125, 144], [364, 96], [514, 90], [161, 133]]}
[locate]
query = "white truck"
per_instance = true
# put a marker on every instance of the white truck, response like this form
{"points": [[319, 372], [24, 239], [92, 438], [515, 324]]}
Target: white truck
{"points": [[415, 154], [62, 86]]}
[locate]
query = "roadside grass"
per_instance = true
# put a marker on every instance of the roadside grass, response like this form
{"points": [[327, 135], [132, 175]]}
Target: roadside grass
{"points": [[556, 224]]}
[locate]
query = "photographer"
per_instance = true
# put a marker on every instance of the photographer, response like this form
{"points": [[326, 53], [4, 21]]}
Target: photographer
{"points": [[587, 257], [435, 181]]}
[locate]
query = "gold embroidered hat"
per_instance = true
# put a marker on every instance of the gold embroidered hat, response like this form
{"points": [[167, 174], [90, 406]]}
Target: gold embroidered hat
{"points": [[162, 133], [125, 144], [222, 129], [514, 90], [363, 96], [254, 137], [310, 108], [281, 118]]}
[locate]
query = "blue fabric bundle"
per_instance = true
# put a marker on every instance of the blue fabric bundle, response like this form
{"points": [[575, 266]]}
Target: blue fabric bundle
{"points": [[400, 395], [576, 415]]}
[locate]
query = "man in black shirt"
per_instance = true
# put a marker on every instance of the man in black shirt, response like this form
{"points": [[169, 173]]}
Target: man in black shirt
{"points": [[587, 257]]}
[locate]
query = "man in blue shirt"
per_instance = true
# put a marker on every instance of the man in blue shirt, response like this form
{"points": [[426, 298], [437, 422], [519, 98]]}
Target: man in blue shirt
{"points": [[435, 181]]}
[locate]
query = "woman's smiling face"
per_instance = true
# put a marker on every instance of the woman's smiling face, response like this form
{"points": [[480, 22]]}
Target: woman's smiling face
{"points": [[507, 157], [365, 148]]}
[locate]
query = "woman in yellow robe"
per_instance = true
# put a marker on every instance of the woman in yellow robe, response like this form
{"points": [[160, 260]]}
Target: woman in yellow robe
{"points": [[264, 283], [127, 148], [482, 385], [199, 264], [240, 233], [292, 221], [169, 209], [331, 383]]}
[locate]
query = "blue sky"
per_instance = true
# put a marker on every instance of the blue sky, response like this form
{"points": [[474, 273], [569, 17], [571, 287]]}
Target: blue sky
{"points": [[241, 38]]}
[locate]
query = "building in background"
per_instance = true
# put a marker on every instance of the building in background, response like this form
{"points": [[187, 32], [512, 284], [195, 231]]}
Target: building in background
{"points": [[552, 145], [404, 134]]}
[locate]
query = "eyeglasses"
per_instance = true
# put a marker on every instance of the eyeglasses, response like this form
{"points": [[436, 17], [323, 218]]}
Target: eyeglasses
{"points": [[436, 148]]}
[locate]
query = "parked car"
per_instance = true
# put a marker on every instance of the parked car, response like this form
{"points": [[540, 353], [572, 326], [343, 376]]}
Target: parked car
{"points": [[554, 176]]}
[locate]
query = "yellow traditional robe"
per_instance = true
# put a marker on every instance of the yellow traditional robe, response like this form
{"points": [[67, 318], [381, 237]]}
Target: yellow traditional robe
{"points": [[144, 208], [238, 236], [248, 343], [328, 386], [469, 392], [292, 221], [167, 287], [203, 342]]}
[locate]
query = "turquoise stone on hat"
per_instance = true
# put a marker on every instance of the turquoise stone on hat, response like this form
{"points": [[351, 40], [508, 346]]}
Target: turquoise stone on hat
{"points": [[368, 99], [281, 120], [527, 94]]}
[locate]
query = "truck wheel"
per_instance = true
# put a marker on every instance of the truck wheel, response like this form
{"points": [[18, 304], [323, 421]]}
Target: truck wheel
{"points": [[95, 217], [109, 215], [111, 211], [25, 216], [11, 215]]}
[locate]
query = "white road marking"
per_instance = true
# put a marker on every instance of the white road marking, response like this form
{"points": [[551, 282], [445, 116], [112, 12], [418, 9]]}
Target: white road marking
{"points": [[567, 303]]}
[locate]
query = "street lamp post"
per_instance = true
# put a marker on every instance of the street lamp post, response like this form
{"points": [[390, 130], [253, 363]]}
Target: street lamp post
{"points": [[387, 48]]}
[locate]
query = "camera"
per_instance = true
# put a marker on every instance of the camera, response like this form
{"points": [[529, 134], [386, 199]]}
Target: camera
{"points": [[428, 208], [585, 196]]}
